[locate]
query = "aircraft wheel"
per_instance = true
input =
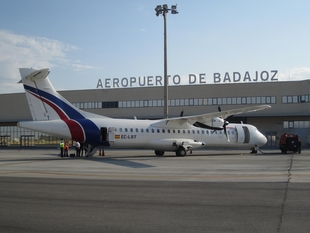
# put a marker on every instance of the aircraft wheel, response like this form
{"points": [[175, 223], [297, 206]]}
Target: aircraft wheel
{"points": [[180, 151], [253, 151], [159, 152]]}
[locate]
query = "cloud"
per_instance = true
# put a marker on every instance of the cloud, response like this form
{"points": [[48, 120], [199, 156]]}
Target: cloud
{"points": [[28, 51], [295, 74], [77, 66]]}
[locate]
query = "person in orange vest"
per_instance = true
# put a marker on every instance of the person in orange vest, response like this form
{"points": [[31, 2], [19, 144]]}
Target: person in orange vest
{"points": [[66, 149]]}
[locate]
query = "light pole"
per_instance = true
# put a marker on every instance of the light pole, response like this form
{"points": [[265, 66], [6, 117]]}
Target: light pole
{"points": [[163, 9]]}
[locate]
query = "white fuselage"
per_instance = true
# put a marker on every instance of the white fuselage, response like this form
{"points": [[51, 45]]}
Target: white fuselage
{"points": [[126, 133], [141, 134]]}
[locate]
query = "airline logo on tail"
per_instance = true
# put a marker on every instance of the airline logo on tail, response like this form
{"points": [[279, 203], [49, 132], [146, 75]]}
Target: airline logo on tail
{"points": [[81, 129]]}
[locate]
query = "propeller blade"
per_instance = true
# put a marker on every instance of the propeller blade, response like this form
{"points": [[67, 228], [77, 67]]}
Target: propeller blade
{"points": [[225, 124], [181, 114], [226, 133], [225, 129]]}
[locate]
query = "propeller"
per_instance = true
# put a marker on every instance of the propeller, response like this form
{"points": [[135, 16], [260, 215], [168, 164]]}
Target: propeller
{"points": [[204, 126], [225, 124]]}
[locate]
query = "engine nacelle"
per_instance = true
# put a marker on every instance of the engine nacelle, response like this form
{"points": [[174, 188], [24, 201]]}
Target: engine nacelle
{"points": [[216, 123]]}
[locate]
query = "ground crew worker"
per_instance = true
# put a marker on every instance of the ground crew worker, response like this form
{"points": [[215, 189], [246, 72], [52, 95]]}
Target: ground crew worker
{"points": [[61, 146], [82, 149], [66, 149], [78, 148]]}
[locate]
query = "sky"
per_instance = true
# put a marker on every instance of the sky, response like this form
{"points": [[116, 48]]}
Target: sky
{"points": [[84, 41]]}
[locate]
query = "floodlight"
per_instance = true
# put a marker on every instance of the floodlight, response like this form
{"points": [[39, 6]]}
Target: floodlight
{"points": [[174, 9], [158, 8]]}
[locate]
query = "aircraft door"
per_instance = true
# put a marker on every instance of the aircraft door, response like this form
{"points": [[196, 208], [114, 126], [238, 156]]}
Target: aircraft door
{"points": [[246, 134], [240, 134], [243, 134], [111, 134], [107, 134], [103, 134]]}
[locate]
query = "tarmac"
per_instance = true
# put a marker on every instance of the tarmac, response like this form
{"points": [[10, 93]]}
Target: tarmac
{"points": [[136, 191]]}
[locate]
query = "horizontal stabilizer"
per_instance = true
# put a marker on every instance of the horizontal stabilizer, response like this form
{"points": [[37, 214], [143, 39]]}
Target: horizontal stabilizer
{"points": [[39, 74], [32, 74]]}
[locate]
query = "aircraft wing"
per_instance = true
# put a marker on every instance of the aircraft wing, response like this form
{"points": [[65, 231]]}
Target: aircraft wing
{"points": [[206, 118]]}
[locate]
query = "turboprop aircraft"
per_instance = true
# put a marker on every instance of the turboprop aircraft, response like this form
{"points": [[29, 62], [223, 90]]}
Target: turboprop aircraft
{"points": [[53, 114]]}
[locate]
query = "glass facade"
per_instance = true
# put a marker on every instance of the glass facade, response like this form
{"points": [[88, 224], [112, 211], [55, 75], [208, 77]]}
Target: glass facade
{"points": [[180, 102], [295, 99], [16, 136]]}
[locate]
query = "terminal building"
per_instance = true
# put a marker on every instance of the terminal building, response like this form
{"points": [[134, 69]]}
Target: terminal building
{"points": [[289, 112]]}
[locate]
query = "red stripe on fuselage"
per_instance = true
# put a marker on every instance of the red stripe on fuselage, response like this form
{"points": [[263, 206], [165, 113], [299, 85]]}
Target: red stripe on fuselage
{"points": [[76, 130]]}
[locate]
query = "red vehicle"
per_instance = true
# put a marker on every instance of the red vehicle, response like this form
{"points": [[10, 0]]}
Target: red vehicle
{"points": [[290, 142]]}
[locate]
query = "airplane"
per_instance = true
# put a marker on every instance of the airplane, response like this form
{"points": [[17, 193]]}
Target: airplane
{"points": [[54, 115]]}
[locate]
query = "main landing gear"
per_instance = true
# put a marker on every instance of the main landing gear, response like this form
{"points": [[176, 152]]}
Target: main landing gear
{"points": [[254, 150], [159, 152], [181, 151]]}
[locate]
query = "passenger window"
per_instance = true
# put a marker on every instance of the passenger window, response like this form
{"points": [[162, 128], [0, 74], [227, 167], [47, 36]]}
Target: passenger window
{"points": [[147, 130], [131, 129], [193, 131], [126, 130], [142, 130], [163, 131], [188, 131], [183, 130], [137, 130], [158, 131], [152, 130], [168, 130]]}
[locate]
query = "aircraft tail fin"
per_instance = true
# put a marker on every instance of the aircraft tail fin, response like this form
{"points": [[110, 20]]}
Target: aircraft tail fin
{"points": [[44, 101]]}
